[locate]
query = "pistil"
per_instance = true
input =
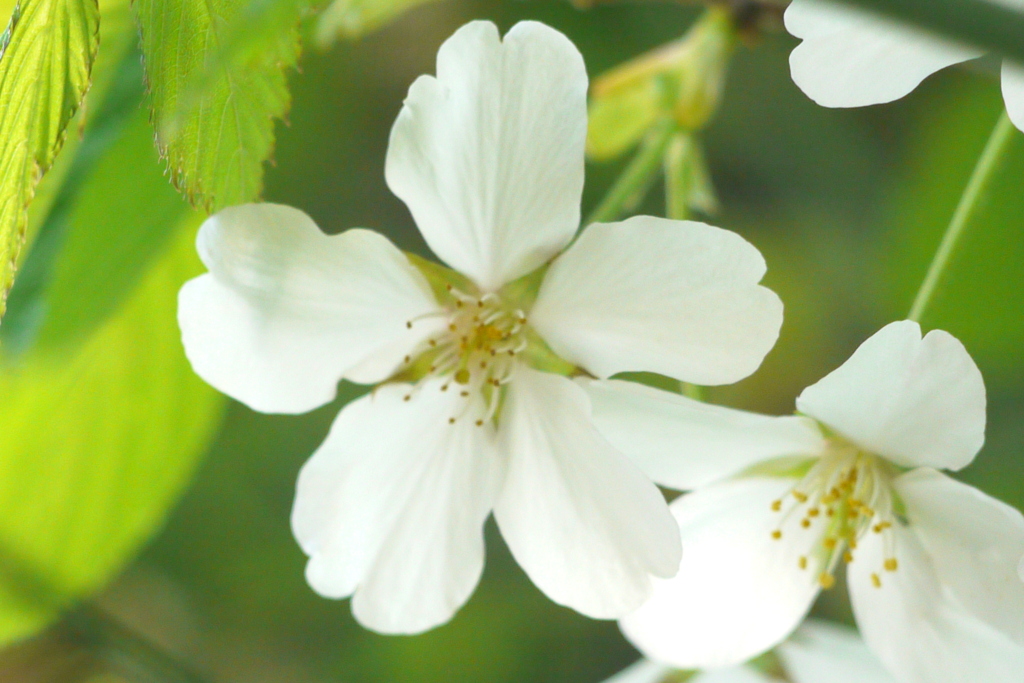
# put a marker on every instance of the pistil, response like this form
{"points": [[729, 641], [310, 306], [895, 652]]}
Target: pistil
{"points": [[845, 495]]}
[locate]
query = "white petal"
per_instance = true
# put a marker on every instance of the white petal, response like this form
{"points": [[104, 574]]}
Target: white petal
{"points": [[920, 633], [488, 156], [733, 674], [675, 297], [286, 310], [820, 652], [643, 671], [392, 507], [975, 543], [917, 402], [682, 443], [739, 592], [851, 58], [1013, 93], [587, 526]]}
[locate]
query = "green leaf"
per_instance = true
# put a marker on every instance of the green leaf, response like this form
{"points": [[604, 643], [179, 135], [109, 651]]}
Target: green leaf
{"points": [[354, 18], [978, 297], [215, 138], [46, 57], [111, 217], [95, 447]]}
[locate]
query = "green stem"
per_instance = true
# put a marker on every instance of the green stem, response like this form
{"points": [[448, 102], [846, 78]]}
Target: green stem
{"points": [[676, 208], [125, 650], [969, 202], [637, 176]]}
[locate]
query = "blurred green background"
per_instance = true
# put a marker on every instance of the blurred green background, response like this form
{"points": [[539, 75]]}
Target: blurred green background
{"points": [[847, 207]]}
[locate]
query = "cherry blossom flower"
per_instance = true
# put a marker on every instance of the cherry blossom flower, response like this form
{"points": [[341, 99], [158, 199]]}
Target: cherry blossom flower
{"points": [[851, 58], [818, 652], [783, 501], [473, 410]]}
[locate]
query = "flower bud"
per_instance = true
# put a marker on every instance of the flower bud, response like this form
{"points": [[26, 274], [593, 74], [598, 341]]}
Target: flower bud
{"points": [[683, 79]]}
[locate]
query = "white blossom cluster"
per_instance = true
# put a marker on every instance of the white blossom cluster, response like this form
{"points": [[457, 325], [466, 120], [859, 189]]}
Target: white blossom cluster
{"points": [[494, 392]]}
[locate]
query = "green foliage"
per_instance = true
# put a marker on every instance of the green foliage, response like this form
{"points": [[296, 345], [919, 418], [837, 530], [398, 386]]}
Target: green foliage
{"points": [[94, 448], [354, 18], [215, 93], [46, 56], [978, 297], [110, 218]]}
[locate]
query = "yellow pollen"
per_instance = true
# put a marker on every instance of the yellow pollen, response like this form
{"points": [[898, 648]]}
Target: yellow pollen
{"points": [[813, 512], [847, 557], [891, 565], [829, 543], [462, 376], [776, 534], [408, 397], [801, 497], [876, 581], [479, 423], [451, 420], [805, 523], [776, 505], [827, 581], [803, 562]]}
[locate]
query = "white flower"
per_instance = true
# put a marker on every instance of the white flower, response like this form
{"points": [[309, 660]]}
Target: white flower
{"points": [[474, 412], [932, 566], [852, 58], [819, 652]]}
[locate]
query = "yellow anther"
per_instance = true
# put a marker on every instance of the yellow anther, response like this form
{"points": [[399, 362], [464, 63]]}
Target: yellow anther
{"points": [[847, 557], [881, 526], [805, 523], [408, 397], [803, 562], [813, 512], [876, 581], [776, 505], [451, 420], [462, 376], [891, 565], [827, 581], [829, 543], [479, 423], [802, 497], [432, 342], [776, 534], [463, 393], [408, 324]]}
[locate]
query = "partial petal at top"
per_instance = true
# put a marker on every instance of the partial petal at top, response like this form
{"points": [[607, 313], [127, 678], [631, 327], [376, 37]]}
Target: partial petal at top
{"points": [[684, 444], [286, 310], [584, 523], [975, 543], [392, 507], [820, 652], [917, 402], [852, 58], [678, 298], [488, 156], [739, 590], [1013, 92], [918, 630]]}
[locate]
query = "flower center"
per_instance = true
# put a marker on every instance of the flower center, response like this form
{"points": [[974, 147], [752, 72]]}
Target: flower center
{"points": [[846, 494], [475, 352]]}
